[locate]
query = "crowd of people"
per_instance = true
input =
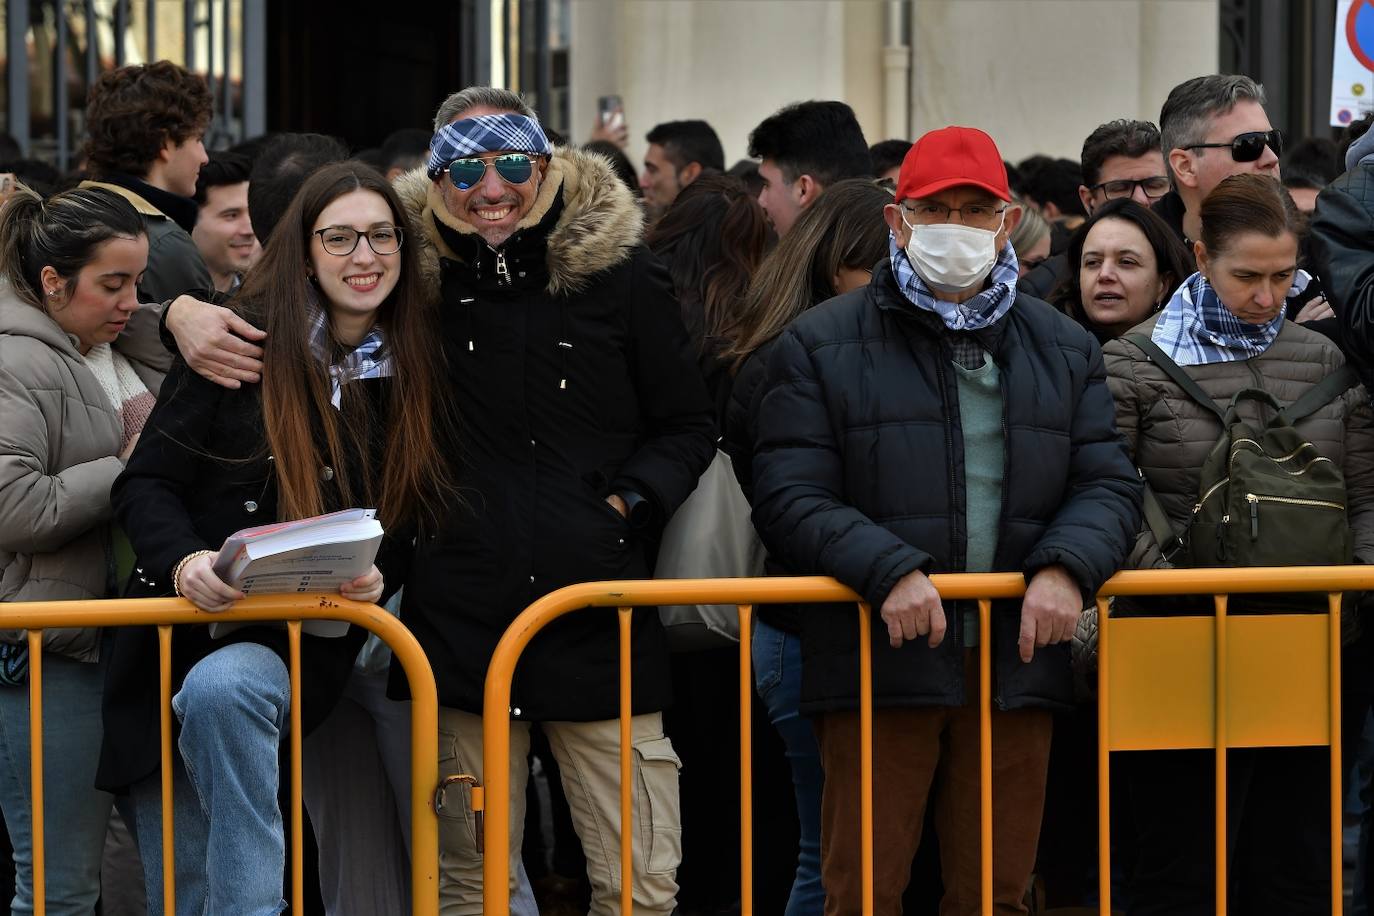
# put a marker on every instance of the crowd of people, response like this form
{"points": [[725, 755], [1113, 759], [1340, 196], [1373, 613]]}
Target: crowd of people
{"points": [[534, 361]]}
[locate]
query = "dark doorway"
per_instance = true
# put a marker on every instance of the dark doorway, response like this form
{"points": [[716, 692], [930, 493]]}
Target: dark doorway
{"points": [[359, 69]]}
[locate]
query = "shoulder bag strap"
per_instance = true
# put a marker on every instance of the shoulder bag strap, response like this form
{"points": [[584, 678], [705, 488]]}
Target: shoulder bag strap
{"points": [[1175, 372]]}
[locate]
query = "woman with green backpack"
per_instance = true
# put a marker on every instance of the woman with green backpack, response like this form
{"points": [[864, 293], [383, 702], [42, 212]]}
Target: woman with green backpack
{"points": [[1257, 447]]}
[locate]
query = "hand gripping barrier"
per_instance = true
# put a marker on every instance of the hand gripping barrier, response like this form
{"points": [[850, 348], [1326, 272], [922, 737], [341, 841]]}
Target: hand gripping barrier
{"points": [[1233, 681], [164, 613]]}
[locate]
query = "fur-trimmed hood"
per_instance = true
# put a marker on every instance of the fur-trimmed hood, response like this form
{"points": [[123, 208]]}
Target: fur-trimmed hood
{"points": [[599, 226]]}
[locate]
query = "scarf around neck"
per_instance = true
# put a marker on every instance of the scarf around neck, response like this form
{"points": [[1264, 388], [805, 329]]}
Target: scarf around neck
{"points": [[370, 359], [982, 311], [1196, 329]]}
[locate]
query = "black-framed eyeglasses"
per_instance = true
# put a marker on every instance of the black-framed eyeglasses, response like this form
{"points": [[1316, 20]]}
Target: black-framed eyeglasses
{"points": [[513, 168], [341, 240], [1249, 146], [1154, 187], [930, 212]]}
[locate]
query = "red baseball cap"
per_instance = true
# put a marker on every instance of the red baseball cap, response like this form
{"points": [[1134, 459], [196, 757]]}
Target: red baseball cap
{"points": [[950, 157]]}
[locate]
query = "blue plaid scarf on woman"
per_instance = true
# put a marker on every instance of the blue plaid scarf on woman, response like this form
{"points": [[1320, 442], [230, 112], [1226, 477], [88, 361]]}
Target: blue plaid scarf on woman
{"points": [[1196, 329], [369, 359], [982, 311]]}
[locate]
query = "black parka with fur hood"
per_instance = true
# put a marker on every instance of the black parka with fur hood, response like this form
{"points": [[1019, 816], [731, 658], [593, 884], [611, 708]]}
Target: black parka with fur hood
{"points": [[574, 379]]}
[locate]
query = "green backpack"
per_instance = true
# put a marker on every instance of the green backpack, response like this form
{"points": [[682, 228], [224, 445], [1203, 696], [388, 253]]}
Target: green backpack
{"points": [[1266, 496]]}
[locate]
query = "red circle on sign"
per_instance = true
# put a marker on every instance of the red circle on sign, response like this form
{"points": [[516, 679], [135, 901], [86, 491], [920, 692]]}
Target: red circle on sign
{"points": [[1364, 56]]}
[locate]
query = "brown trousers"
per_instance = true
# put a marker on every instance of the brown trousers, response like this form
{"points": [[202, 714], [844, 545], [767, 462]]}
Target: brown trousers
{"points": [[915, 750]]}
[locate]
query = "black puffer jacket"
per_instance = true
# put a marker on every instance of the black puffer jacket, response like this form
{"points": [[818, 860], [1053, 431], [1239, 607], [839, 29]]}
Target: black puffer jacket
{"points": [[574, 379], [859, 474], [1341, 245]]}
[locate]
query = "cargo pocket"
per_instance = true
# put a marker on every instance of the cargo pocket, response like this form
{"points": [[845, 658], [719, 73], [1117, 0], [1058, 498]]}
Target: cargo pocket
{"points": [[660, 820], [457, 825]]}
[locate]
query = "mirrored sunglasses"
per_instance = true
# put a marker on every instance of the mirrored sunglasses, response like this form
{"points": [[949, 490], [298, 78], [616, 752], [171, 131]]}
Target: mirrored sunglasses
{"points": [[512, 168]]}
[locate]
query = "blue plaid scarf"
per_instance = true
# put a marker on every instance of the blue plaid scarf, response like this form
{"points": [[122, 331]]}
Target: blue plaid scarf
{"points": [[1196, 329], [363, 362], [982, 311], [485, 134]]}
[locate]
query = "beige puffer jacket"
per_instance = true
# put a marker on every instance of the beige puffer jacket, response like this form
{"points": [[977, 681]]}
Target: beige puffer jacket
{"points": [[1169, 435], [59, 442]]}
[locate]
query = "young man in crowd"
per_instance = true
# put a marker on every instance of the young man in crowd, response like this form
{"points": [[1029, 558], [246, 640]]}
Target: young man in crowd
{"points": [[1119, 159], [144, 125], [679, 153], [931, 373], [804, 148], [223, 233]]}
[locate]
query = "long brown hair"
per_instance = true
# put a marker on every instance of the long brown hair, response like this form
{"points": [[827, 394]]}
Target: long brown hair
{"points": [[843, 228], [712, 239], [414, 480]]}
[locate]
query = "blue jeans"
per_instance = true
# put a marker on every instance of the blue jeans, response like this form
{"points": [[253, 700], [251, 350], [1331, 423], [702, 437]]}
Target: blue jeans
{"points": [[230, 843], [777, 676], [75, 813]]}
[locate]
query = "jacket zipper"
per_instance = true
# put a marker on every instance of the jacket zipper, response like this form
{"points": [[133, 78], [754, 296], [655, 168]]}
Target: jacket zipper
{"points": [[502, 270], [1254, 500]]}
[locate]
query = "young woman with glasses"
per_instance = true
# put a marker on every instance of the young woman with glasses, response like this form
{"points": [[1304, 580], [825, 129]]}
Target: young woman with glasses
{"points": [[347, 415]]}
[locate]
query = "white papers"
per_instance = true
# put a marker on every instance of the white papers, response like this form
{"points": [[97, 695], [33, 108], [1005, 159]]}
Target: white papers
{"points": [[310, 555]]}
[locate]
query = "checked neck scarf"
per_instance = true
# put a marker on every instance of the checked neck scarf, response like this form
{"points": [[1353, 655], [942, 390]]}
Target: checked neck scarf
{"points": [[1196, 329], [982, 311], [368, 360], [485, 134]]}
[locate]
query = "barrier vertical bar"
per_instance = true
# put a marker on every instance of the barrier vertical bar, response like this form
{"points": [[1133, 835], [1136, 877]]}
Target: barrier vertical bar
{"points": [[866, 754], [1220, 740], [985, 751], [39, 864], [746, 762], [627, 832], [164, 668], [1337, 771], [1104, 765], [293, 636]]}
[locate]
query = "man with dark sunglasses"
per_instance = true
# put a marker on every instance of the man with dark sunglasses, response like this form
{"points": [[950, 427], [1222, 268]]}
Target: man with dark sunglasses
{"points": [[1213, 127]]}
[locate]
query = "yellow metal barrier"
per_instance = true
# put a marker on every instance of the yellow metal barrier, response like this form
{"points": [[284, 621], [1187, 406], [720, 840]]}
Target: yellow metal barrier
{"points": [[1235, 681], [164, 613]]}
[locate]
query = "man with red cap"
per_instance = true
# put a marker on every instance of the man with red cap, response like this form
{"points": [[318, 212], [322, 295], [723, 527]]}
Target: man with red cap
{"points": [[938, 421]]}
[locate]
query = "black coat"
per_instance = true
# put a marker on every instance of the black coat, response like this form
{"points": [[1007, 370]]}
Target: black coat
{"points": [[574, 379], [1341, 244], [859, 474], [201, 472]]}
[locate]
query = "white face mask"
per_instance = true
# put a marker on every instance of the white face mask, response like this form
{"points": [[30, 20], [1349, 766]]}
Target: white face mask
{"points": [[952, 257]]}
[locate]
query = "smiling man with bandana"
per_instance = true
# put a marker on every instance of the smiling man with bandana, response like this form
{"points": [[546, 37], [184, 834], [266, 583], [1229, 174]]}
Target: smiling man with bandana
{"points": [[939, 421], [585, 424]]}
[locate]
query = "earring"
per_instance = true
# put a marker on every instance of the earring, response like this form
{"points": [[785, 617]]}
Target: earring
{"points": [[52, 293]]}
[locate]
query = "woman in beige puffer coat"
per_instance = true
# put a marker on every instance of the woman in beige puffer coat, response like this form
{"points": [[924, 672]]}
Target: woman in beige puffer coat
{"points": [[1225, 328], [70, 411]]}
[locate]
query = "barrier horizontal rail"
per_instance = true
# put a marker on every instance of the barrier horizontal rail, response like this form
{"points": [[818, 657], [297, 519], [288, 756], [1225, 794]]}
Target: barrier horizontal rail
{"points": [[982, 587], [165, 613]]}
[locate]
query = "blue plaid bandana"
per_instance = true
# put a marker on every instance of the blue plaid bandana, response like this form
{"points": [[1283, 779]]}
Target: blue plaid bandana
{"points": [[1195, 329], [485, 134], [982, 311], [363, 362]]}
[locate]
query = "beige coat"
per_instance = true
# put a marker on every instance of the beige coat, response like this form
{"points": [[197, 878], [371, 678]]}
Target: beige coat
{"points": [[59, 442], [1169, 434]]}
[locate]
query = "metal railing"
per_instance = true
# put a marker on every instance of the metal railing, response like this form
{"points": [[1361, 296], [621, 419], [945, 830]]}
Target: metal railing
{"points": [[165, 613], [1232, 684]]}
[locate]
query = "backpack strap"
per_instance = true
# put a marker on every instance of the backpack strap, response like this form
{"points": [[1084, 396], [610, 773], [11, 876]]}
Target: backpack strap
{"points": [[1321, 394], [1171, 542], [1175, 372]]}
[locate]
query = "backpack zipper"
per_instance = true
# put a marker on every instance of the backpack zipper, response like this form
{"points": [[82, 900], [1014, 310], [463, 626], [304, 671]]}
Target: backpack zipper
{"points": [[1254, 501]]}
